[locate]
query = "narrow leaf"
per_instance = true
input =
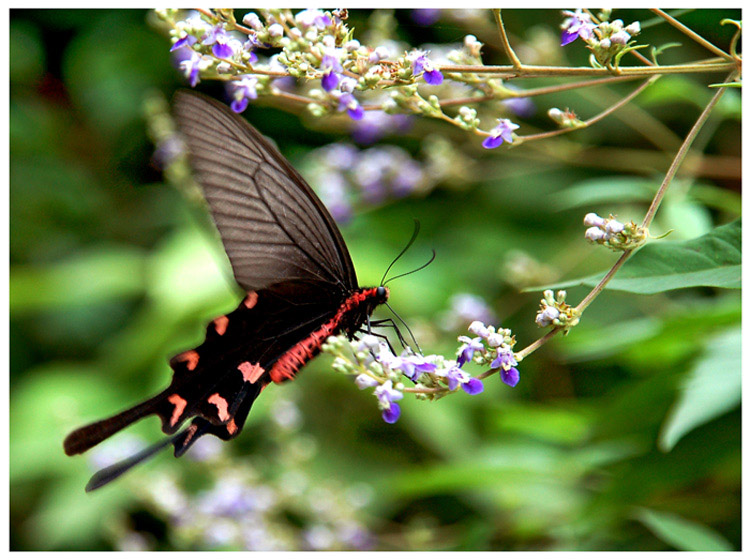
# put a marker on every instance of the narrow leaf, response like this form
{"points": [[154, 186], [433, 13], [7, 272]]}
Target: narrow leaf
{"points": [[681, 533], [713, 387]]}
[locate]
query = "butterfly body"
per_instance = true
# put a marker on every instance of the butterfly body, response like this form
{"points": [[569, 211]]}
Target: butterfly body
{"points": [[286, 253]]}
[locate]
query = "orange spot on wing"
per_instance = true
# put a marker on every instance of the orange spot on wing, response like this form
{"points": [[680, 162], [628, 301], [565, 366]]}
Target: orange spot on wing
{"points": [[191, 357], [231, 426], [220, 324], [250, 372], [251, 300], [221, 405], [179, 407]]}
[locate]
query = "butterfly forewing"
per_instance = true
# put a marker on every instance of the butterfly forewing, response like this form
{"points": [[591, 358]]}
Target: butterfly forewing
{"points": [[271, 223]]}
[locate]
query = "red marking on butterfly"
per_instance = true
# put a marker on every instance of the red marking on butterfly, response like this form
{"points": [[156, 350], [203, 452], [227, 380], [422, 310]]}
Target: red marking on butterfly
{"points": [[250, 372], [179, 407], [220, 324], [251, 300], [221, 405], [289, 257], [190, 357]]}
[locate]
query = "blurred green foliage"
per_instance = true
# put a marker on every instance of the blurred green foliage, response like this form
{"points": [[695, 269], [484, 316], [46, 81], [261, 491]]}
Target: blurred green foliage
{"points": [[624, 435]]}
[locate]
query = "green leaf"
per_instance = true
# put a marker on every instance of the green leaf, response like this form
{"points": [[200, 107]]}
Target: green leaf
{"points": [[681, 533], [101, 274], [714, 259], [713, 387]]}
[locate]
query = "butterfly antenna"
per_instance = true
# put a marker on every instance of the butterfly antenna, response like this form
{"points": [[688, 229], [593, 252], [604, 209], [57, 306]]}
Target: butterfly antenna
{"points": [[425, 265], [401, 254], [405, 325]]}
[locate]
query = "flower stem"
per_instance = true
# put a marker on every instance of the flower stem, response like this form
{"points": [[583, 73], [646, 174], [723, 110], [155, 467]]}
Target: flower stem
{"points": [[692, 34], [517, 64]]}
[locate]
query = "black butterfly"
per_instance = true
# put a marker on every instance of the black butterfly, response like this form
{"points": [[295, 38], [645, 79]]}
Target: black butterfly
{"points": [[286, 253]]}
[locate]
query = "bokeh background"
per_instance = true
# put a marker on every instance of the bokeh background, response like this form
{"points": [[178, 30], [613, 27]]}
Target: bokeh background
{"points": [[113, 270]]}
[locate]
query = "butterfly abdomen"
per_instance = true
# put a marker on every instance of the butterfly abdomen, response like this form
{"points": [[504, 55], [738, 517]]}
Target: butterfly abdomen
{"points": [[348, 318]]}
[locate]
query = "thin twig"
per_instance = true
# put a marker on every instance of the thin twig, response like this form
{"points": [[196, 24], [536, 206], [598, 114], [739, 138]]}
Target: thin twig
{"points": [[593, 119], [680, 156], [505, 42], [692, 34]]}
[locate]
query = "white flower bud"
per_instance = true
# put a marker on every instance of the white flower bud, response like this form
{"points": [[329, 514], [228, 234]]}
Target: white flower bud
{"points": [[252, 20], [620, 38], [352, 45], [494, 340], [347, 84], [613, 226], [364, 381], [594, 234], [555, 114], [593, 219], [276, 30], [478, 328], [605, 43], [223, 68], [634, 28]]}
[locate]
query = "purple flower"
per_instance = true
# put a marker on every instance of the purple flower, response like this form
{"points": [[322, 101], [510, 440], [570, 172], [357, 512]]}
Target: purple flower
{"points": [[505, 359], [311, 17], [420, 63], [349, 103], [503, 132], [386, 394], [473, 386], [219, 38], [413, 366], [190, 68], [242, 92], [466, 352], [331, 67], [456, 376], [391, 414], [510, 377], [186, 41], [577, 25]]}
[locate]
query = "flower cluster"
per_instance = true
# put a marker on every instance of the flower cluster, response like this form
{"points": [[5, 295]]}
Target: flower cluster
{"points": [[373, 365], [553, 311], [346, 176], [607, 40], [490, 347], [613, 234], [317, 61]]}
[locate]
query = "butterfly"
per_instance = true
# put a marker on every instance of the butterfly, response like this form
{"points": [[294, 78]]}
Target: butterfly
{"points": [[288, 256]]}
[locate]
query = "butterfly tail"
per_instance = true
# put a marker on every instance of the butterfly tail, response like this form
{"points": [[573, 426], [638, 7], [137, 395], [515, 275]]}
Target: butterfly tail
{"points": [[85, 438]]}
